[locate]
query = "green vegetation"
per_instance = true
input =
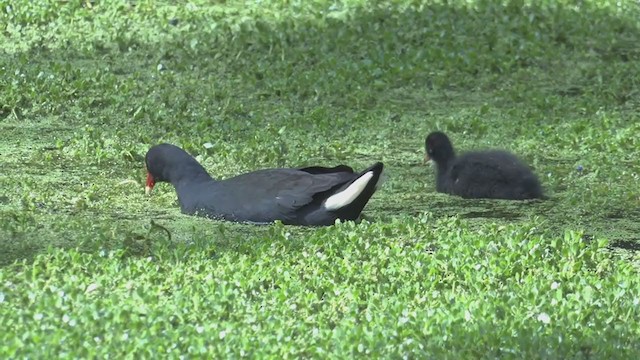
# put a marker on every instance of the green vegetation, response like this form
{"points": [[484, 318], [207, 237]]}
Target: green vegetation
{"points": [[93, 268]]}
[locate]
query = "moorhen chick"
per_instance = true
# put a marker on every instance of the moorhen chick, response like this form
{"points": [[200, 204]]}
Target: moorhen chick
{"points": [[491, 174]]}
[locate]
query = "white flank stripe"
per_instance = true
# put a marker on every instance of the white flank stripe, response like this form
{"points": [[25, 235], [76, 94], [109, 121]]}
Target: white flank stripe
{"points": [[348, 195]]}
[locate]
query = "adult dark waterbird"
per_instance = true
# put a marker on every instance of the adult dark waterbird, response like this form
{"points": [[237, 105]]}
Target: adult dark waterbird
{"points": [[493, 174], [312, 196]]}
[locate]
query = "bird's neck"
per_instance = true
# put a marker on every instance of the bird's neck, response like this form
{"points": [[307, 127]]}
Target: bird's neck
{"points": [[444, 166], [188, 174], [444, 163], [190, 187]]}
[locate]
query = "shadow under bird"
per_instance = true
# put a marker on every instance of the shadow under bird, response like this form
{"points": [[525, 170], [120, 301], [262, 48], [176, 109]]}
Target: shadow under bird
{"points": [[492, 174], [311, 196]]}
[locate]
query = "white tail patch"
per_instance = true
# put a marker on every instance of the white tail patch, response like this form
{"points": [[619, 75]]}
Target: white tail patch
{"points": [[348, 195]]}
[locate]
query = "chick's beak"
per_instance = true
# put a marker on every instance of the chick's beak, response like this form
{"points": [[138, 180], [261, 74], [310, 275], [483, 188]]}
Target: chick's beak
{"points": [[150, 183]]}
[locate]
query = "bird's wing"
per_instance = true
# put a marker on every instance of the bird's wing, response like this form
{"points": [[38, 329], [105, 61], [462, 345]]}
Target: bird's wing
{"points": [[495, 167], [274, 193]]}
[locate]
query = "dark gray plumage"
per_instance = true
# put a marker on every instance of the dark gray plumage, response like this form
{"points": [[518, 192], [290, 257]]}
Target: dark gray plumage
{"points": [[294, 196], [484, 174]]}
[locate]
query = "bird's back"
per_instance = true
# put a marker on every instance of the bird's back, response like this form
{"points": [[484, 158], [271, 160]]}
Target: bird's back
{"points": [[493, 174], [260, 196]]}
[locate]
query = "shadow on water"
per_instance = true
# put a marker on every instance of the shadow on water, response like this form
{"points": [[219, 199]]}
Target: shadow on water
{"points": [[631, 244], [492, 214]]}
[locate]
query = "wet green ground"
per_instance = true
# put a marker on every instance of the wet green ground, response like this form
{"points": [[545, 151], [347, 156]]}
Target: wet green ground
{"points": [[87, 260]]}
